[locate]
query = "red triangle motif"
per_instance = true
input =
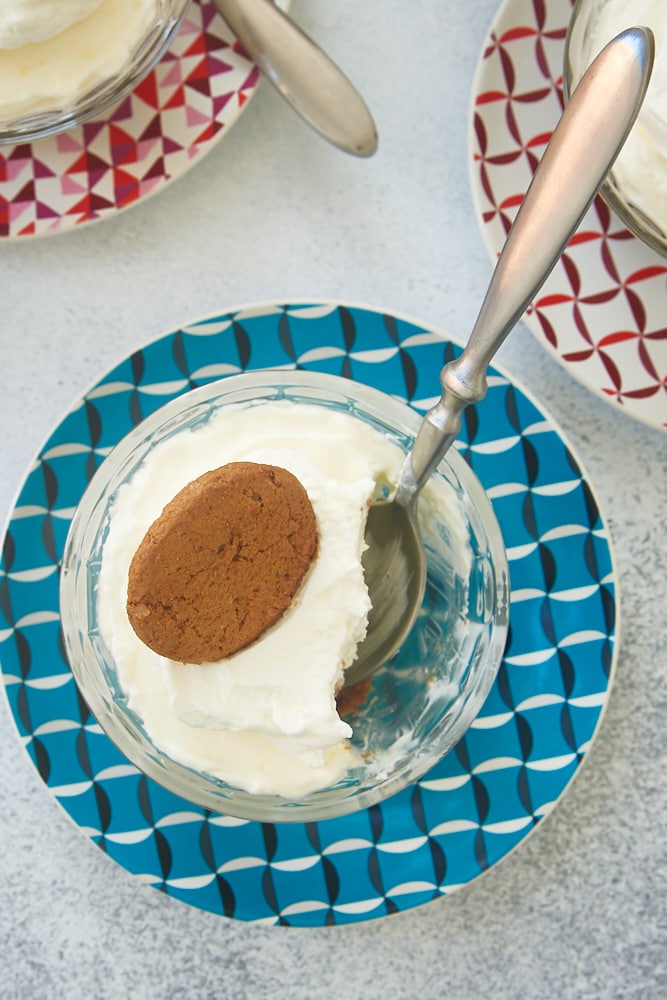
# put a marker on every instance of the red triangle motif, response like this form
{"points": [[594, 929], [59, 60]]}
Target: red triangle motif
{"points": [[27, 193], [126, 187], [208, 132], [81, 207], [153, 130], [23, 152], [157, 170], [199, 72], [217, 66], [251, 79], [99, 204], [208, 15], [221, 102], [177, 99], [89, 164], [91, 130], [40, 169], [197, 48], [214, 43], [90, 205], [97, 168], [238, 48], [202, 86], [79, 166], [147, 91], [123, 146], [46, 212], [123, 111], [171, 146]]}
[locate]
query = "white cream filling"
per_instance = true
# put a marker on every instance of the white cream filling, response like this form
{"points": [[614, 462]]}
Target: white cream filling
{"points": [[264, 719], [82, 45], [26, 21]]}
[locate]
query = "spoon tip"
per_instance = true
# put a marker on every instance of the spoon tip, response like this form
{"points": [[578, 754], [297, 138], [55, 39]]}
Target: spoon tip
{"points": [[368, 146]]}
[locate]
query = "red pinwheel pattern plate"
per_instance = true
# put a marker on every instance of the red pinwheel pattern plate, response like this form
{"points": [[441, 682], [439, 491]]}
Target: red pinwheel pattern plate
{"points": [[176, 115], [603, 311]]}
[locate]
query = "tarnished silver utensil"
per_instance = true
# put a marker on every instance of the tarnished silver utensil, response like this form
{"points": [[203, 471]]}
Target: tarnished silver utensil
{"points": [[305, 75], [584, 145]]}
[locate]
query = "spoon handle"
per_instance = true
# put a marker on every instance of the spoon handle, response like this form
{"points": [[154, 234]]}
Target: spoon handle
{"points": [[584, 145], [305, 75]]}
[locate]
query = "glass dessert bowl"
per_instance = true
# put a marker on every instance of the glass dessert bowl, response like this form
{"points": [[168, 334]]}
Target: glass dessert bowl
{"points": [[636, 187], [61, 65], [414, 709]]}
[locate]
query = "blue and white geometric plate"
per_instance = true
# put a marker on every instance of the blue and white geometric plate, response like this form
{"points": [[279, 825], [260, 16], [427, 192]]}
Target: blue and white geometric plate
{"points": [[471, 809]]}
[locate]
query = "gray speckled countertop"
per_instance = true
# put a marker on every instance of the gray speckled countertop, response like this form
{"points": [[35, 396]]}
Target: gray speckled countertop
{"points": [[579, 909]]}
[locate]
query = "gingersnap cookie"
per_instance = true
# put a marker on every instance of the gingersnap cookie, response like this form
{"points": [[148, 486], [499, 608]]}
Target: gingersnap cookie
{"points": [[222, 563]]}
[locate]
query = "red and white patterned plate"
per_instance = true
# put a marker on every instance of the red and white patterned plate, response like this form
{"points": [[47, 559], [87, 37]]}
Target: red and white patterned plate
{"points": [[603, 311], [174, 117]]}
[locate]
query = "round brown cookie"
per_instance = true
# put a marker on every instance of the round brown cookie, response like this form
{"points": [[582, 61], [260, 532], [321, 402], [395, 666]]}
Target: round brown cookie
{"points": [[222, 562]]}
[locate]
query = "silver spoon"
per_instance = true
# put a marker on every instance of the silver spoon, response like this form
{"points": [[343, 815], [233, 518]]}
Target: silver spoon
{"points": [[305, 75], [583, 147]]}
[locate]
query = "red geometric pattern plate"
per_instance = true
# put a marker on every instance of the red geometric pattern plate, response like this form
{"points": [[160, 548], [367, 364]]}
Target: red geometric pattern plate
{"points": [[603, 311], [176, 115]]}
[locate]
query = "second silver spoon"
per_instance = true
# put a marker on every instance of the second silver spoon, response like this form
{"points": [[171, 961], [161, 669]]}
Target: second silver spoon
{"points": [[305, 75], [584, 145]]}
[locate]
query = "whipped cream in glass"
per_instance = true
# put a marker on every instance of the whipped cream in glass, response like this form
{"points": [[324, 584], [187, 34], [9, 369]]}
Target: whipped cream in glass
{"points": [[25, 21], [264, 719], [52, 52]]}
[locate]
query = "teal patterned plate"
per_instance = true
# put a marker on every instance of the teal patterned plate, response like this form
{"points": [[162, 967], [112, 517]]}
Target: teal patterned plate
{"points": [[484, 797]]}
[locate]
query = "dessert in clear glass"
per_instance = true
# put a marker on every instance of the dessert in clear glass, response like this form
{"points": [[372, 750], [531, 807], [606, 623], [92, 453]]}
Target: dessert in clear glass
{"points": [[255, 735], [63, 62]]}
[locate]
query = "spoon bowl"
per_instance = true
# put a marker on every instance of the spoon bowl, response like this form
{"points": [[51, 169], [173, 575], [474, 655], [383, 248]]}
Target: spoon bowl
{"points": [[392, 531], [584, 145]]}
